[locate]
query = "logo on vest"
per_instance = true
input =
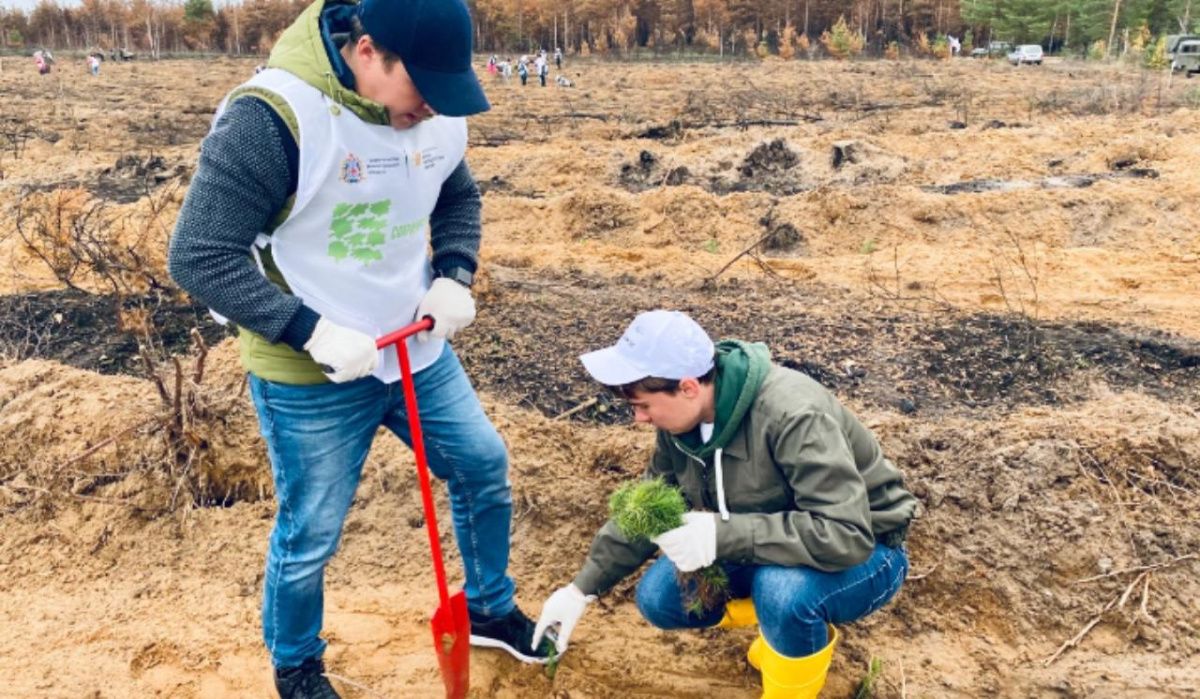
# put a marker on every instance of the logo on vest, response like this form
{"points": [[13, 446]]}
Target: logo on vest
{"points": [[360, 231], [352, 170], [430, 157]]}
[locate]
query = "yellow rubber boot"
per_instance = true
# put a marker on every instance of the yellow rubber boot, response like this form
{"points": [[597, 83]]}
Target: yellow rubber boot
{"points": [[791, 678], [738, 612]]}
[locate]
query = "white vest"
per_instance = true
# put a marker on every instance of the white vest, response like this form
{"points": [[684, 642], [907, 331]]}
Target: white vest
{"points": [[354, 246]]}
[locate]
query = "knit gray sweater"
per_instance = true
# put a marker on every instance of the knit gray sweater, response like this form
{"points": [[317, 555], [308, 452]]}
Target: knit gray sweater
{"points": [[248, 170]]}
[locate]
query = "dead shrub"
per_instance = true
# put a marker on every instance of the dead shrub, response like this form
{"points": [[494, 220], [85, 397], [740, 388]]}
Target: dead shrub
{"points": [[82, 241], [188, 450]]}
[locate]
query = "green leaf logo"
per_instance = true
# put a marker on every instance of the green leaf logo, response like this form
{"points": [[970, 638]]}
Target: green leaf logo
{"points": [[340, 227], [338, 251]]}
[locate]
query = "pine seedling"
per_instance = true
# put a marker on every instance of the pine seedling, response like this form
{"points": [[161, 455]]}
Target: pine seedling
{"points": [[644, 509]]}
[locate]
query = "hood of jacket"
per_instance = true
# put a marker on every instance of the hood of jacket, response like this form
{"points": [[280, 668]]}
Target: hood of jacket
{"points": [[304, 51], [741, 368]]}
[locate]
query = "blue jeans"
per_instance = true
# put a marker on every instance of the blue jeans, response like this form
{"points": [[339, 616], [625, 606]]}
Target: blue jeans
{"points": [[318, 437], [793, 605]]}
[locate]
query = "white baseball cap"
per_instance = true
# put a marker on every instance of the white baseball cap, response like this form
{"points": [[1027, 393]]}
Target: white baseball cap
{"points": [[661, 344]]}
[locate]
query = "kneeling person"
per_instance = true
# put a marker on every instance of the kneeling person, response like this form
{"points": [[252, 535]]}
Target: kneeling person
{"points": [[790, 495]]}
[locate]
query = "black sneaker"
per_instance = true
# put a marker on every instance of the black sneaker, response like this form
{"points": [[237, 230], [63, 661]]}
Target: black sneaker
{"points": [[305, 682], [513, 633]]}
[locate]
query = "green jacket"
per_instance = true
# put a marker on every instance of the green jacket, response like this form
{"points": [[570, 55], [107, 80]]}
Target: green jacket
{"points": [[300, 51], [805, 483]]}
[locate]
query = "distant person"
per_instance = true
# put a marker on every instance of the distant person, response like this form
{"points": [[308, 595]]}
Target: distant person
{"points": [[955, 45], [558, 58], [491, 65], [42, 61], [542, 66], [93, 63], [505, 68], [523, 71], [403, 244]]}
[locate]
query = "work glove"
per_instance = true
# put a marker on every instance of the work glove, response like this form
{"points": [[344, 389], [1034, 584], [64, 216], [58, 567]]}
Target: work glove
{"points": [[564, 608], [693, 545], [451, 306], [343, 353]]}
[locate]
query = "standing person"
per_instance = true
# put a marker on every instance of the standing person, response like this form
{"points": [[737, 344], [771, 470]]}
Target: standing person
{"points": [[42, 61], [790, 495], [93, 63], [558, 58], [319, 188], [523, 70], [542, 66]]}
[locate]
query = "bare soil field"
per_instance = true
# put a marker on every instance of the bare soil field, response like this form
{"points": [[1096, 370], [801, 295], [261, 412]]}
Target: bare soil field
{"points": [[997, 268]]}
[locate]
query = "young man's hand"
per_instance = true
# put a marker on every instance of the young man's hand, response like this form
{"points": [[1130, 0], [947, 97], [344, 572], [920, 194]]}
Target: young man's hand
{"points": [[564, 608], [451, 306], [692, 546], [344, 353]]}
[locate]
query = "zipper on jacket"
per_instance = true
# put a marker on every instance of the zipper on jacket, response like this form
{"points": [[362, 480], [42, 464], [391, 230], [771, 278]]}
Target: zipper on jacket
{"points": [[705, 492]]}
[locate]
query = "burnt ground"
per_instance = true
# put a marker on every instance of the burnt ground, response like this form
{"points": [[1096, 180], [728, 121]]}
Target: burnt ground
{"points": [[81, 329], [132, 177], [524, 344]]}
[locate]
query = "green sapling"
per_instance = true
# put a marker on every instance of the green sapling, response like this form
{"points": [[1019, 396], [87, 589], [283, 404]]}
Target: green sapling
{"points": [[644, 509]]}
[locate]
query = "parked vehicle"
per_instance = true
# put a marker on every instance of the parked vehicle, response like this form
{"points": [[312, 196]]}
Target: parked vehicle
{"points": [[1026, 53], [994, 48], [1174, 41], [1186, 58]]}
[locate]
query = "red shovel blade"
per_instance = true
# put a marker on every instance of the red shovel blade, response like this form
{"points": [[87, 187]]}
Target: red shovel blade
{"points": [[452, 640]]}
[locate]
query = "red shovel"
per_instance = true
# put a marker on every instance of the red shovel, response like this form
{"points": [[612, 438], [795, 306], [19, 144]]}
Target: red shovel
{"points": [[451, 625]]}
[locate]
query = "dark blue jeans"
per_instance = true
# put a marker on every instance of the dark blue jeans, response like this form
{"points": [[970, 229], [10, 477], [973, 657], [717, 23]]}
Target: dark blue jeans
{"points": [[318, 438], [793, 604]]}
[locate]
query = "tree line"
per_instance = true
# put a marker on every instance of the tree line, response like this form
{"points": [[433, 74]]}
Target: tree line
{"points": [[616, 27]]}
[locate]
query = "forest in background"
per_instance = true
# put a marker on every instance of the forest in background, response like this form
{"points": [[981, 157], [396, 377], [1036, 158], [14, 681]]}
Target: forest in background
{"points": [[786, 28]]}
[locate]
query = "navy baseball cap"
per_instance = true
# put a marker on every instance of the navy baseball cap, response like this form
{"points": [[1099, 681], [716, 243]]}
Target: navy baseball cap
{"points": [[433, 39]]}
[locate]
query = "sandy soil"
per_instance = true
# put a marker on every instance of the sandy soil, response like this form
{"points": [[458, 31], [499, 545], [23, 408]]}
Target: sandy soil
{"points": [[1026, 346]]}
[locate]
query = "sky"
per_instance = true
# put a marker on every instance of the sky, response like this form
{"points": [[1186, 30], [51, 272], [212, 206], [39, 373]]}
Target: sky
{"points": [[28, 5]]}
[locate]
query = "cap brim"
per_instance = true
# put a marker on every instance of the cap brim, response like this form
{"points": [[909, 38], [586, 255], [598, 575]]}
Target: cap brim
{"points": [[450, 94], [610, 368]]}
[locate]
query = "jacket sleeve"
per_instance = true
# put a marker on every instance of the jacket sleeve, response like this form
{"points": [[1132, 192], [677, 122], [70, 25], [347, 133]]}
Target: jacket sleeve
{"points": [[241, 182], [830, 527], [454, 225], [612, 557]]}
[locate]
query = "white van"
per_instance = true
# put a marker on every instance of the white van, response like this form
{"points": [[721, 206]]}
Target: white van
{"points": [[1186, 59], [1026, 53]]}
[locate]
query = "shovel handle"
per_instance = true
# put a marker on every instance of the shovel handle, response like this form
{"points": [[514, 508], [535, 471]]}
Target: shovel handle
{"points": [[398, 338], [404, 333]]}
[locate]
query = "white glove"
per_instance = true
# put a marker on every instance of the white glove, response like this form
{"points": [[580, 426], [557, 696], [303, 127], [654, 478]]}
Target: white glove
{"points": [[692, 546], [451, 306], [347, 353], [564, 608]]}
